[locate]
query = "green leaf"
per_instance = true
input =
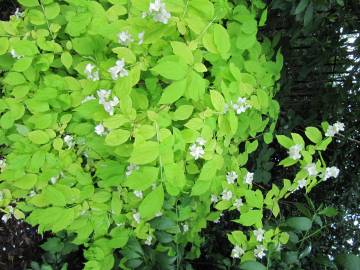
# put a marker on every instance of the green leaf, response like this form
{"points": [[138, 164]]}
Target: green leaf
{"points": [[152, 203], [263, 18], [284, 141], [117, 137], [299, 223], [142, 179], [39, 137], [14, 78], [173, 92], [29, 3], [183, 112], [54, 196], [314, 134], [182, 50], [126, 54], [221, 39], [22, 64], [217, 100], [4, 45], [301, 6], [251, 217], [252, 265], [171, 68], [26, 182], [309, 13], [25, 47], [66, 59], [144, 152], [329, 212], [52, 11], [348, 261]]}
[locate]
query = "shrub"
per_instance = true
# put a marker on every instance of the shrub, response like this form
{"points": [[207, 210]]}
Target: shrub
{"points": [[122, 122]]}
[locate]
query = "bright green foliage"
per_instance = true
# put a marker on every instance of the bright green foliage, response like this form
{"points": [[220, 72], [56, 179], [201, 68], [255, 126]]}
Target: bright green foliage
{"points": [[142, 161]]}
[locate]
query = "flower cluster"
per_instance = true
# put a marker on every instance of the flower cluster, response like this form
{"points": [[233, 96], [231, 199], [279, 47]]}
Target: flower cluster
{"points": [[130, 168], [334, 129], [294, 151], [197, 149], [15, 55], [231, 177], [91, 72], [69, 141], [104, 96], [100, 129], [2, 164], [237, 252], [118, 71], [311, 169], [88, 98], [331, 172], [249, 178], [158, 11], [239, 107], [125, 38]]}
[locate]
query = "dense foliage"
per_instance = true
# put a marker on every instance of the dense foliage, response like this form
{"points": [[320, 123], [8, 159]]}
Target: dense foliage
{"points": [[121, 124]]}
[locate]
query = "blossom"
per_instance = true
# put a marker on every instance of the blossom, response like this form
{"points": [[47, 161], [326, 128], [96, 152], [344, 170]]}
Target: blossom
{"points": [[196, 151], [53, 180], [334, 129], [138, 193], [69, 141], [18, 14], [185, 228], [118, 70], [259, 234], [1, 195], [237, 252], [311, 169], [91, 72], [201, 141], [108, 105], [148, 240], [302, 183], [331, 172], [137, 217], [2, 164], [159, 12], [130, 168], [214, 198], [125, 38], [238, 203], [294, 151], [226, 195], [249, 178], [259, 251], [241, 105], [158, 214], [100, 130], [8, 215], [231, 177], [103, 95], [32, 193], [141, 38], [88, 98], [15, 55]]}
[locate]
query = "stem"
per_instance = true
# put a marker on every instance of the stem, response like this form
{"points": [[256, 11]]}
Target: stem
{"points": [[47, 22]]}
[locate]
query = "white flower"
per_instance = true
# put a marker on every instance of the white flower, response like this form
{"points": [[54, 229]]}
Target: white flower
{"points": [[200, 141], [249, 178], [196, 151], [339, 126], [238, 203], [158, 214], [91, 73], [231, 177], [311, 169], [53, 180], [217, 220], [302, 183], [141, 38], [226, 108], [159, 12], [214, 198], [138, 193], [1, 195], [32, 193], [88, 98], [185, 228], [125, 38], [143, 15], [130, 168], [15, 55], [100, 130], [148, 240], [2, 164], [294, 151], [137, 217], [18, 14], [334, 129], [103, 95], [259, 234], [241, 105], [259, 251], [237, 252], [118, 70], [331, 172], [69, 141], [5, 217], [226, 195]]}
